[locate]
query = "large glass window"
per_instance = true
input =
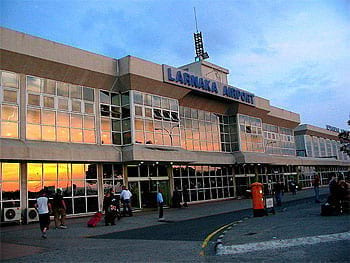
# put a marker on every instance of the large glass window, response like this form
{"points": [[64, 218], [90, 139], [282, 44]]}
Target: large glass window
{"points": [[156, 120], [113, 177], [199, 130], [115, 118], [58, 111], [9, 105], [228, 133], [197, 183], [250, 130], [279, 140], [10, 187], [78, 183]]}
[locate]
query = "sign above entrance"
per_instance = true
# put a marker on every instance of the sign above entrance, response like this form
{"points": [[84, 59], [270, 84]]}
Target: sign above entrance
{"points": [[189, 80]]}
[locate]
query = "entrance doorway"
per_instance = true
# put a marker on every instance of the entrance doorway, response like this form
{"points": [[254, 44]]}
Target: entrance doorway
{"points": [[144, 181], [144, 193]]}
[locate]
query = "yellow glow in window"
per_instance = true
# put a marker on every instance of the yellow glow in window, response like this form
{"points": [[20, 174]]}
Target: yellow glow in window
{"points": [[34, 171], [50, 171], [10, 172]]}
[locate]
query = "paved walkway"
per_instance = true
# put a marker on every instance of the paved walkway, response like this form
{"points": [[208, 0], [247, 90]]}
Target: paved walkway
{"points": [[21, 240], [292, 226]]}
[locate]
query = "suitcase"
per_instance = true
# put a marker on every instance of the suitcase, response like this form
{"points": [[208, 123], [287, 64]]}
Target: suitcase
{"points": [[95, 219]]}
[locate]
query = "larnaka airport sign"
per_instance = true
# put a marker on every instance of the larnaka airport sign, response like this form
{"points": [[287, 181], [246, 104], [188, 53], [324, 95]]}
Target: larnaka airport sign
{"points": [[189, 80]]}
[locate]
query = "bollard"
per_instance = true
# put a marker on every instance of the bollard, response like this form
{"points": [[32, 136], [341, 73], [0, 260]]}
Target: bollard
{"points": [[258, 199]]}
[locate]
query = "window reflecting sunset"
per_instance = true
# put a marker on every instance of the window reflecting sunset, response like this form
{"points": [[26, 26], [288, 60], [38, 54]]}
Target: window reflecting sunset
{"points": [[10, 172], [9, 129], [71, 118], [33, 132], [48, 117], [9, 79], [9, 113], [34, 116], [78, 182], [50, 171], [10, 184], [34, 171], [49, 133]]}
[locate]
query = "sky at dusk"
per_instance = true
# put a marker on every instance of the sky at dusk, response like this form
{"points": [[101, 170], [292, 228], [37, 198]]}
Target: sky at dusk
{"points": [[294, 53]]}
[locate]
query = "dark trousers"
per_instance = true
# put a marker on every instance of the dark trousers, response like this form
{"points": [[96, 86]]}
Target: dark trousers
{"points": [[110, 218], [44, 220], [160, 210], [127, 207], [278, 197]]}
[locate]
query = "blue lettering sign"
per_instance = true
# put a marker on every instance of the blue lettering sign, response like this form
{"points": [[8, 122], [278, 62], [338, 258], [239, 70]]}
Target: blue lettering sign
{"points": [[187, 79], [214, 88], [194, 81], [179, 77], [169, 75], [206, 85]]}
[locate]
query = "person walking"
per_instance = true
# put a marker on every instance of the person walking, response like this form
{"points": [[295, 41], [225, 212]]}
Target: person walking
{"points": [[160, 202], [316, 184], [185, 196], [107, 207], [176, 202], [125, 197], [44, 209], [333, 185], [278, 193], [59, 210], [293, 187]]}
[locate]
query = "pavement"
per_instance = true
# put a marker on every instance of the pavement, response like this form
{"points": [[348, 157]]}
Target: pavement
{"points": [[23, 243], [297, 229]]}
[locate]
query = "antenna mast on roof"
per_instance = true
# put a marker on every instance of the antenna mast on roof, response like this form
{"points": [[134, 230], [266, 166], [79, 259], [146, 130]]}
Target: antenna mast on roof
{"points": [[198, 42]]}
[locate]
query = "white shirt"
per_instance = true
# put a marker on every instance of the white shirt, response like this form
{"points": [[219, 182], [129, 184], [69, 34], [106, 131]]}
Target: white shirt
{"points": [[125, 195], [42, 205]]}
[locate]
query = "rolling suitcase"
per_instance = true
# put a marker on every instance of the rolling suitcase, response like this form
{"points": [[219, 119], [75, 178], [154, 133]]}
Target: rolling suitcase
{"points": [[95, 219]]}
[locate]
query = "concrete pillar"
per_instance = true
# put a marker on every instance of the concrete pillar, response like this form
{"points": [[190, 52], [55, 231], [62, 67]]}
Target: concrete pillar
{"points": [[22, 107], [100, 186], [125, 175], [256, 171], [234, 182], [97, 116], [22, 137], [171, 182], [24, 188]]}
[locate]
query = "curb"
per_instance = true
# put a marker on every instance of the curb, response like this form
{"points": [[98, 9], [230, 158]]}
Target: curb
{"points": [[218, 244], [219, 247]]}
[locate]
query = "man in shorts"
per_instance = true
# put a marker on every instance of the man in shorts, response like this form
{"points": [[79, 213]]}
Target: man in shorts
{"points": [[59, 210], [44, 208]]}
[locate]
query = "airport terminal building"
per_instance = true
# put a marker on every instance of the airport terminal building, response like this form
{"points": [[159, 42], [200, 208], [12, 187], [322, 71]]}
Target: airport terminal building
{"points": [[86, 123]]}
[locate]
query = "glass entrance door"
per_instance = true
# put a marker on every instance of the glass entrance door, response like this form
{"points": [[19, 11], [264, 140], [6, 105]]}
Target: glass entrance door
{"points": [[148, 193]]}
